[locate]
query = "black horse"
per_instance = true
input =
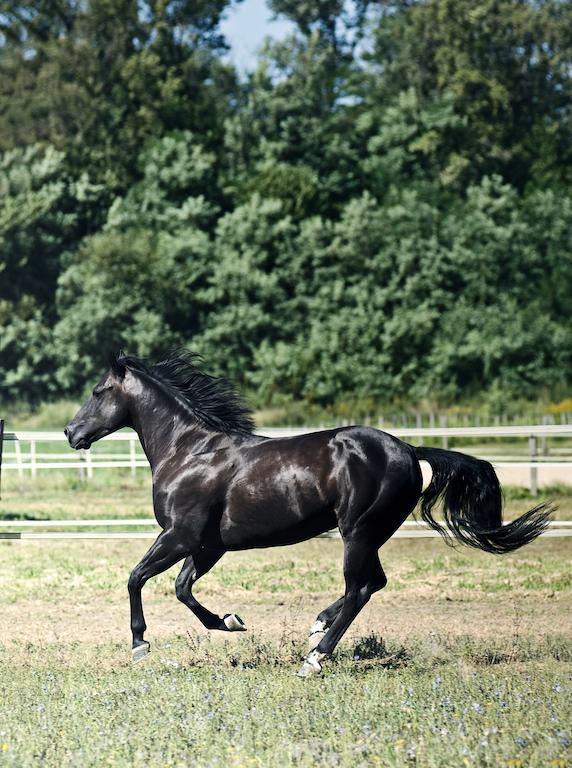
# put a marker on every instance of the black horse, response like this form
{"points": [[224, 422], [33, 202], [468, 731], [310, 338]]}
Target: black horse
{"points": [[217, 486]]}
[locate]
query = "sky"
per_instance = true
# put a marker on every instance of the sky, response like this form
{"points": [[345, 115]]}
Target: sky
{"points": [[246, 26]]}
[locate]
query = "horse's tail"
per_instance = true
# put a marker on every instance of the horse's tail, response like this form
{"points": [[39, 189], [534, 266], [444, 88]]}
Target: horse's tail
{"points": [[472, 503]]}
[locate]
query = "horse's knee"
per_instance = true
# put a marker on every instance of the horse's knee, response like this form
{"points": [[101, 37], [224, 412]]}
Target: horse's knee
{"points": [[356, 598], [181, 590], [364, 595], [135, 581]]}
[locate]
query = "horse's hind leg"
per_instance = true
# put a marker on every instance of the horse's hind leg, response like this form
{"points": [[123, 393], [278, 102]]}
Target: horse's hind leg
{"points": [[323, 622], [326, 618], [364, 576], [193, 568]]}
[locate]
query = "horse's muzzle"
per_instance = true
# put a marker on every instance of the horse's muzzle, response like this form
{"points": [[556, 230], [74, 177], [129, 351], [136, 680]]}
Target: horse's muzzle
{"points": [[76, 440]]}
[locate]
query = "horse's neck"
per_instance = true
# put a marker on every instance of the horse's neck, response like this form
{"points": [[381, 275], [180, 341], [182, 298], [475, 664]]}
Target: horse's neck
{"points": [[162, 426]]}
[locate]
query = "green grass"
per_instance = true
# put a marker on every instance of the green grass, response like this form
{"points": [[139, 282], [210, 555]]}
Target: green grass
{"points": [[48, 417], [494, 690], [195, 703], [62, 495], [472, 665]]}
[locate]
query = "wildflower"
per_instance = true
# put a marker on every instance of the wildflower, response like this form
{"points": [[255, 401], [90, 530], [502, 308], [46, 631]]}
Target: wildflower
{"points": [[563, 738], [520, 741], [478, 707], [5, 747]]}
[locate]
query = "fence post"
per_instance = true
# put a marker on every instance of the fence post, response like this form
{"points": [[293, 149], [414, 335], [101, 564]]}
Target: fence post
{"points": [[88, 463], [533, 470], [132, 457], [82, 469], [419, 424], [543, 442], [18, 451], [33, 469], [445, 438], [1, 446]]}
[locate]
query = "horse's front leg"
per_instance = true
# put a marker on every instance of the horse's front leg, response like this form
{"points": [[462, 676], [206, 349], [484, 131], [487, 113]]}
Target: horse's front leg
{"points": [[194, 567], [167, 550]]}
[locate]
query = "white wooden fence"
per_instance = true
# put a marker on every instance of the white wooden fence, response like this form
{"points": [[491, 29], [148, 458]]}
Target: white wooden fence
{"points": [[410, 529], [25, 458]]}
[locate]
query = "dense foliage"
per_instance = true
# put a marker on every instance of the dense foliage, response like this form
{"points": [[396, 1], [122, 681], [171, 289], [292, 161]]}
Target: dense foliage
{"points": [[382, 209]]}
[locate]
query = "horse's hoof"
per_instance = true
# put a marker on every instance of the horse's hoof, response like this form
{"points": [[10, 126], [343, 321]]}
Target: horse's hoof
{"points": [[140, 651], [317, 632], [311, 665], [234, 623]]}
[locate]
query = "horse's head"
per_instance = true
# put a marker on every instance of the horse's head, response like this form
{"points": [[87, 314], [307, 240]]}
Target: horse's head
{"points": [[104, 412]]}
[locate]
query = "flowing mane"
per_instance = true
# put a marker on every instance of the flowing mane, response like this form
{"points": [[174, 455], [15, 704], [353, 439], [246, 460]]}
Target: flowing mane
{"points": [[213, 401]]}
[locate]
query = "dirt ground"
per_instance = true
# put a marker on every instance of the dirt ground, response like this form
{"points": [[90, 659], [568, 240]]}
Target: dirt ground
{"points": [[64, 592], [413, 612]]}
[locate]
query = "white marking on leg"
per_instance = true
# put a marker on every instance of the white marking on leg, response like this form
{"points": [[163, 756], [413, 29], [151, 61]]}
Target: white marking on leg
{"points": [[234, 623], [318, 626], [311, 665], [317, 632]]}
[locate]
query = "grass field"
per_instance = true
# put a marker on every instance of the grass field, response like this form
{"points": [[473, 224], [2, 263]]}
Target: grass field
{"points": [[464, 660]]}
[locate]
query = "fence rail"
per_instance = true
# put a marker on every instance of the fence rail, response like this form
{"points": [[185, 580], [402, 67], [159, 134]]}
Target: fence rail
{"points": [[410, 529], [535, 454]]}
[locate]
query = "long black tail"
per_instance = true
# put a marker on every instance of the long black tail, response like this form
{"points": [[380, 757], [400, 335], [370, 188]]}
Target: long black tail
{"points": [[472, 503]]}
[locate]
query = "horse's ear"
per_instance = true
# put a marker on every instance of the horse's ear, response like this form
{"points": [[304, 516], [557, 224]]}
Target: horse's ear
{"points": [[117, 365]]}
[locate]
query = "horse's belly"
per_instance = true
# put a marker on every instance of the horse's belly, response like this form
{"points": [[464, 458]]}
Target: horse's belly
{"points": [[274, 532], [262, 515]]}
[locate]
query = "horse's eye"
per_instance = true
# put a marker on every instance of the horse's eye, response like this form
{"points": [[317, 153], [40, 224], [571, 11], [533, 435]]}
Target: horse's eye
{"points": [[98, 392]]}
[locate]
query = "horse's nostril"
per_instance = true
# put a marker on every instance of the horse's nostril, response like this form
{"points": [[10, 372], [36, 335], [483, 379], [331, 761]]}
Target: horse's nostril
{"points": [[66, 432]]}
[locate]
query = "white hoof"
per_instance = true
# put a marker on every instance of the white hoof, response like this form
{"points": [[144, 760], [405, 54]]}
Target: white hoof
{"points": [[317, 632], [234, 623], [140, 652], [311, 665]]}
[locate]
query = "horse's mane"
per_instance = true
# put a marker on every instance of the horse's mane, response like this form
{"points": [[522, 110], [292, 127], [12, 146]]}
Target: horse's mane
{"points": [[213, 401]]}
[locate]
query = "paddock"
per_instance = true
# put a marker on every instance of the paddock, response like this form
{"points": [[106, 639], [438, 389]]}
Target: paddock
{"points": [[464, 659]]}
